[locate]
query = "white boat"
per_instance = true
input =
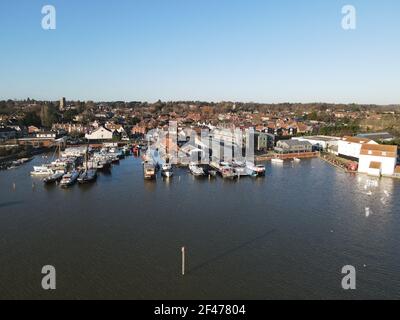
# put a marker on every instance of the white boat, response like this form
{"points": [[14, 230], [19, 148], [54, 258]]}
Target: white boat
{"points": [[255, 170], [167, 171], [239, 168], [69, 179], [277, 160], [42, 171], [227, 172], [149, 171], [196, 170], [296, 160]]}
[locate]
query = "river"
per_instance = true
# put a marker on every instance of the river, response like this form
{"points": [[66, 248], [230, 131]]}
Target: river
{"points": [[285, 236]]}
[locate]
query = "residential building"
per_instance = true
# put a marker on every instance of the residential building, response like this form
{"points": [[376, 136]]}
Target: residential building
{"points": [[33, 129], [263, 141], [100, 134], [7, 133]]}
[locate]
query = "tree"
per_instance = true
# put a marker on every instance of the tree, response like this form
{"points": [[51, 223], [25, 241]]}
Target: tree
{"points": [[48, 115], [31, 119]]}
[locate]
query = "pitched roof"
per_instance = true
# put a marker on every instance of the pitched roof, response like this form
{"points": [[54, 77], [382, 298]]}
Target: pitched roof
{"points": [[376, 135], [356, 140], [379, 150]]}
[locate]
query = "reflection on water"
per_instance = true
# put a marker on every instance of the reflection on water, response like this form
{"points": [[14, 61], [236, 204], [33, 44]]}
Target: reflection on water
{"points": [[287, 235]]}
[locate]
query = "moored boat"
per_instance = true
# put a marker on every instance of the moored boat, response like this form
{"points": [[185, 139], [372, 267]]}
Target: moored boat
{"points": [[255, 170], [69, 179], [149, 171], [87, 176], [227, 172], [54, 177], [277, 161], [209, 171], [42, 171], [196, 170], [167, 171]]}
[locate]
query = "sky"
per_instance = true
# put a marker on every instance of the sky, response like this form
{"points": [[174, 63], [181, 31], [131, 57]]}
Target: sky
{"points": [[267, 51]]}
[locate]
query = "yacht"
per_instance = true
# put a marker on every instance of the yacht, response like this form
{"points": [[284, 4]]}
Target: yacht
{"points": [[149, 171], [57, 176], [239, 168], [296, 160], [69, 178], [196, 170], [42, 171], [167, 171], [228, 172], [255, 170]]}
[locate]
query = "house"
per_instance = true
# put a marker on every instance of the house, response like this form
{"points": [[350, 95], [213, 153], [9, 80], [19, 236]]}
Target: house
{"points": [[33, 129], [274, 129], [350, 147], [293, 146], [100, 133], [138, 129], [7, 133], [377, 159], [263, 141]]}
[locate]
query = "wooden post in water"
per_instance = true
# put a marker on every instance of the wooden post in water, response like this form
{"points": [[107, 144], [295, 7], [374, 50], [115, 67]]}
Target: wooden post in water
{"points": [[183, 261]]}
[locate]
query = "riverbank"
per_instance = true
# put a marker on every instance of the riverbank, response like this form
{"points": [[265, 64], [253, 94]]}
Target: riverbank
{"points": [[287, 156], [7, 161]]}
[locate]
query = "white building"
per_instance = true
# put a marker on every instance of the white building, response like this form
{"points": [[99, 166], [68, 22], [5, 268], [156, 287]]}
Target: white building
{"points": [[100, 133], [326, 143], [350, 147], [377, 160]]}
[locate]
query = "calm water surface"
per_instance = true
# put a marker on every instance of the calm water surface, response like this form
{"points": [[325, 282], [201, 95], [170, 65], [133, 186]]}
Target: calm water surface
{"points": [[283, 237]]}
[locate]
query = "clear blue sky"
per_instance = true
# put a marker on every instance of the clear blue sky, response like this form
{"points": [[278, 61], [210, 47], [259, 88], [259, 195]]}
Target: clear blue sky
{"points": [[241, 50]]}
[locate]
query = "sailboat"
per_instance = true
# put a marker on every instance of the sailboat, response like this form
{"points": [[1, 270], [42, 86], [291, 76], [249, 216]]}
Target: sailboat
{"points": [[47, 169], [88, 175]]}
